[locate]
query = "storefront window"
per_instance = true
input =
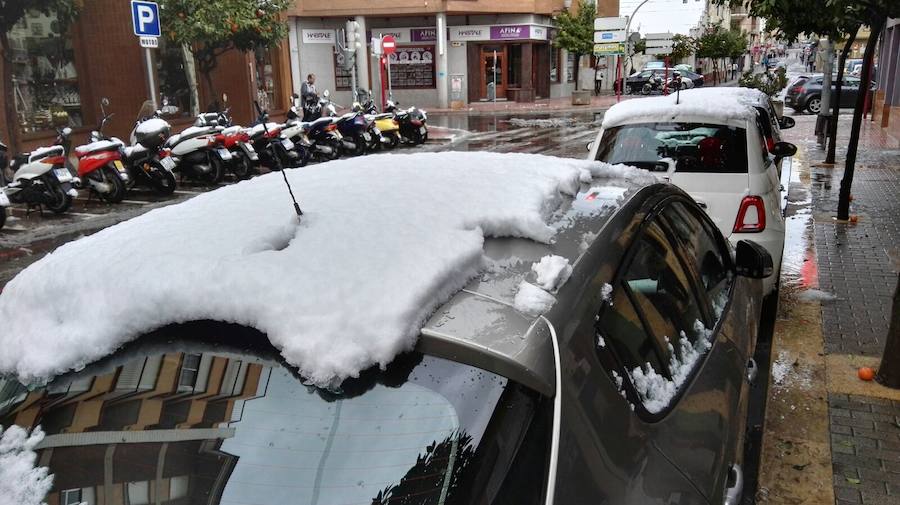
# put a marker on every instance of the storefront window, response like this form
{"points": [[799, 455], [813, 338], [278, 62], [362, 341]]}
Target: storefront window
{"points": [[412, 67], [554, 64], [44, 79], [342, 76], [175, 93], [515, 66], [267, 91], [570, 67]]}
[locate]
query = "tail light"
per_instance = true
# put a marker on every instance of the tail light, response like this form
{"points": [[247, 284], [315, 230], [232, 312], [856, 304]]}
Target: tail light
{"points": [[244, 137], [416, 122], [54, 160], [273, 133], [165, 153], [331, 127], [751, 216], [770, 143], [216, 139], [395, 122], [797, 89]]}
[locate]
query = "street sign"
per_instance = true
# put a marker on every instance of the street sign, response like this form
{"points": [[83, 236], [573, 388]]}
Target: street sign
{"points": [[609, 36], [610, 23], [145, 18], [659, 36], [388, 44], [151, 42], [613, 49]]}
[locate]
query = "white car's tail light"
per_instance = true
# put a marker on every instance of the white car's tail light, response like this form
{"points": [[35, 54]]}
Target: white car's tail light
{"points": [[751, 216]]}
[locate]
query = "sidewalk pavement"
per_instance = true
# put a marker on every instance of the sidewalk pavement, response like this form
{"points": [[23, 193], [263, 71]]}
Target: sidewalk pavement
{"points": [[823, 424]]}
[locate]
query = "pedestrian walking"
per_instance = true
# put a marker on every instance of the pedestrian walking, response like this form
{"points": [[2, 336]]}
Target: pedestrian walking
{"points": [[598, 79], [308, 95]]}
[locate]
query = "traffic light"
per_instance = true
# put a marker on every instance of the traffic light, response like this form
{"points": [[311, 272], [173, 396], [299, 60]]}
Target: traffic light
{"points": [[352, 43]]}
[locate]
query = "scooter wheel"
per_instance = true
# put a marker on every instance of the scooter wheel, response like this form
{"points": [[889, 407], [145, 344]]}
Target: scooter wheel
{"points": [[110, 176], [241, 166], [61, 201], [395, 140], [217, 171], [164, 183]]}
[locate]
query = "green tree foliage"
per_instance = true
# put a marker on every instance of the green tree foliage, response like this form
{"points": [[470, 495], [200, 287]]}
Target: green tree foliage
{"points": [[770, 83], [212, 28], [11, 12], [682, 46], [576, 31]]}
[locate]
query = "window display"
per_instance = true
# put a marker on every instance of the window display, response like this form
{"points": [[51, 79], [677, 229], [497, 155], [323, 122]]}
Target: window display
{"points": [[413, 67], [44, 78]]}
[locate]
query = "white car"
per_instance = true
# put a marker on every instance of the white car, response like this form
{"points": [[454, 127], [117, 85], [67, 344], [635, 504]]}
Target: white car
{"points": [[713, 144]]}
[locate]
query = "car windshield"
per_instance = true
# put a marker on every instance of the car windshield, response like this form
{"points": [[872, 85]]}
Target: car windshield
{"points": [[692, 147], [202, 426]]}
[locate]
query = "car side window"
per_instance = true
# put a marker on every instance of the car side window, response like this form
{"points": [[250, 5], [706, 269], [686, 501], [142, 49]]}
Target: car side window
{"points": [[763, 143], [706, 254], [657, 289]]}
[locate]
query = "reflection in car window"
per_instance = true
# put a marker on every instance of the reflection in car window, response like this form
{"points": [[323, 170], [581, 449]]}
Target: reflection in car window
{"points": [[661, 290], [424, 431], [693, 147], [711, 259], [621, 327]]}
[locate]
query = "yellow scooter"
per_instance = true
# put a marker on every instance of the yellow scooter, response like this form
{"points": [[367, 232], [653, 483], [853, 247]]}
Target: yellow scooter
{"points": [[385, 122]]}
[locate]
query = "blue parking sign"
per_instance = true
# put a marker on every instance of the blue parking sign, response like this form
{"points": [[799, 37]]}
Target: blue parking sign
{"points": [[145, 18]]}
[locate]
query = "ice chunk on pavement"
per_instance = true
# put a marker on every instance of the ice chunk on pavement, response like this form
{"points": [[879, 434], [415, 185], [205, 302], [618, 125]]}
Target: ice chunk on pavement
{"points": [[552, 272], [21, 482], [532, 300], [383, 242], [816, 295]]}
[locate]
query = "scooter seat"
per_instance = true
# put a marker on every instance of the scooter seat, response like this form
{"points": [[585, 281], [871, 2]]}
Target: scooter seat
{"points": [[132, 151], [99, 146], [322, 121]]}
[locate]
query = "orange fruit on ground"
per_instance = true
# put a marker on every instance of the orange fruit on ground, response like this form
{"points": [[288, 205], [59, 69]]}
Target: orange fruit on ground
{"points": [[865, 373], [854, 218]]}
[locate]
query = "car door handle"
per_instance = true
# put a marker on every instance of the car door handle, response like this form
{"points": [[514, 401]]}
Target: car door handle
{"points": [[752, 371], [734, 492]]}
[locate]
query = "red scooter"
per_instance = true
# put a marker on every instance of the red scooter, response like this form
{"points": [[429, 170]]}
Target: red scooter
{"points": [[100, 164]]}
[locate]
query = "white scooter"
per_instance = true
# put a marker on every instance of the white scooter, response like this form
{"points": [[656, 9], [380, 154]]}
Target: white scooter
{"points": [[41, 179], [200, 152]]}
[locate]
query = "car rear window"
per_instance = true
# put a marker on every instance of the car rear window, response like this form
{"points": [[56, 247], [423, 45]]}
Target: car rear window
{"points": [[201, 427], [692, 147]]}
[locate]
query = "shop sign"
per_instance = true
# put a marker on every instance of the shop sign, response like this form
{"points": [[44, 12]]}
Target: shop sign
{"points": [[471, 32], [510, 32], [538, 32], [613, 49], [423, 34], [318, 36]]}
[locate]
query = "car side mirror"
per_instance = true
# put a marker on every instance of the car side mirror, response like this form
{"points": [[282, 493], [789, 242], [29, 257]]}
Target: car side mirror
{"points": [[784, 149], [590, 146], [785, 122], [753, 260]]}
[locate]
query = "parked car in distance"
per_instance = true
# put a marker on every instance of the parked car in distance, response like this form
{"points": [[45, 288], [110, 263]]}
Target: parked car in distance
{"points": [[635, 82], [650, 65], [490, 404], [805, 95], [712, 144]]}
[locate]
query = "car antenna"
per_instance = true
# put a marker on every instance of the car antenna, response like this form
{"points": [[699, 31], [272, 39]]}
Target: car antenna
{"points": [[263, 116]]}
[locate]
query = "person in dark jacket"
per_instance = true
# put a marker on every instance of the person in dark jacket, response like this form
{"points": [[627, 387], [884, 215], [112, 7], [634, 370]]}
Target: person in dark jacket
{"points": [[308, 95]]}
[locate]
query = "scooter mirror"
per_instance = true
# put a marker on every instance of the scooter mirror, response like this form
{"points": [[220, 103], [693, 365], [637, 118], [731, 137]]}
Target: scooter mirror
{"points": [[224, 98], [326, 93], [104, 101], [67, 131]]}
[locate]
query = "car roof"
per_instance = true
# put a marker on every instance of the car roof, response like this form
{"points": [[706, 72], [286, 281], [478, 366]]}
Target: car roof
{"points": [[479, 321], [710, 104]]}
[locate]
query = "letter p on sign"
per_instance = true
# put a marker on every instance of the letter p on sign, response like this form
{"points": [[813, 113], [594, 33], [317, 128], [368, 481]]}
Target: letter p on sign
{"points": [[145, 18]]}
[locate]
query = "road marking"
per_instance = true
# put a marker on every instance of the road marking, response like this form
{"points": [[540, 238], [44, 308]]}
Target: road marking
{"points": [[135, 202]]}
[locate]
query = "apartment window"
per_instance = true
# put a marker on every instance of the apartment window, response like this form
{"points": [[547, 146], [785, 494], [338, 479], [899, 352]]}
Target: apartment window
{"points": [[139, 493], [189, 371], [554, 64], [70, 496], [266, 80], [571, 61], [44, 78], [515, 66], [175, 93]]}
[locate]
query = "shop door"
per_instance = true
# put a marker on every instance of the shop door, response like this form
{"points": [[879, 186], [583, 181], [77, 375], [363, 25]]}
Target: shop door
{"points": [[493, 72]]}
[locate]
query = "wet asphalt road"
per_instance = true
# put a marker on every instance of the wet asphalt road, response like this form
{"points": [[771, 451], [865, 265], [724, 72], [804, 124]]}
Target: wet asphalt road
{"points": [[29, 236]]}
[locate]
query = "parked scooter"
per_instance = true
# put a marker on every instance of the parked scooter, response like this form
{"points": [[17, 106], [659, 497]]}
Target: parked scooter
{"points": [[412, 123], [275, 150], [200, 152], [147, 162], [40, 178], [385, 122], [4, 200], [244, 158], [653, 84], [100, 166], [375, 140]]}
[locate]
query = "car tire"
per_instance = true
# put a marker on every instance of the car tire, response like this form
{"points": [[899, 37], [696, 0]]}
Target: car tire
{"points": [[814, 104]]}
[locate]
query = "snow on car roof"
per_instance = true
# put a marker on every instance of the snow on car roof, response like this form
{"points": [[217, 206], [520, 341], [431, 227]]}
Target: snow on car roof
{"points": [[383, 242], [712, 103]]}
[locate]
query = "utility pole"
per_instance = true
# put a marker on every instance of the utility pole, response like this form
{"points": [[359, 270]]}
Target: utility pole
{"points": [[822, 121]]}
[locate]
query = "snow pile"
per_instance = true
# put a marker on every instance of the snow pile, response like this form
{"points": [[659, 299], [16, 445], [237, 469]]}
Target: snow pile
{"points": [[532, 300], [656, 391], [606, 292], [787, 371], [21, 483], [542, 123], [704, 102], [552, 272], [383, 242]]}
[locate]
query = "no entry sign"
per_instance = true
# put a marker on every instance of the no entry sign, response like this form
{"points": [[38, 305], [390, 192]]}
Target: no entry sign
{"points": [[388, 44]]}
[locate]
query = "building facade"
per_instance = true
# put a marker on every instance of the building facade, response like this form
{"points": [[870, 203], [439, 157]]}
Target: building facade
{"points": [[61, 72], [886, 110], [449, 52]]}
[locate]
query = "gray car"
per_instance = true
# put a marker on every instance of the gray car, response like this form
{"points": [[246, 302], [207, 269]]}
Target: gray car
{"points": [[492, 405], [805, 95]]}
